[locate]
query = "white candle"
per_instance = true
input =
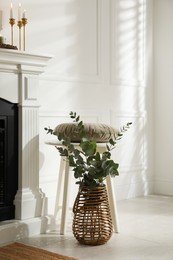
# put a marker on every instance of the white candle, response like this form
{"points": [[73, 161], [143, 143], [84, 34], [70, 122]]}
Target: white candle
{"points": [[24, 14], [0, 20], [11, 11], [19, 12]]}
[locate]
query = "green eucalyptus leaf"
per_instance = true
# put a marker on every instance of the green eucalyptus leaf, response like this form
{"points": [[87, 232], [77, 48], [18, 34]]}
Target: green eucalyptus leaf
{"points": [[80, 124], [80, 160], [71, 147], [106, 155], [77, 118], [88, 147], [112, 142], [76, 153], [60, 137], [71, 161], [107, 147], [97, 157], [62, 151]]}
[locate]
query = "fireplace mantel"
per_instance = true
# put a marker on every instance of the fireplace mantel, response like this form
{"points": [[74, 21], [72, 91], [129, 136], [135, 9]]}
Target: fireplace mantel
{"points": [[19, 79], [13, 57], [15, 63]]}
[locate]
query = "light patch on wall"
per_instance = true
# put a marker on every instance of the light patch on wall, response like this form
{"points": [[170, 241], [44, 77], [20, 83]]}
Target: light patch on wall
{"points": [[129, 46]]}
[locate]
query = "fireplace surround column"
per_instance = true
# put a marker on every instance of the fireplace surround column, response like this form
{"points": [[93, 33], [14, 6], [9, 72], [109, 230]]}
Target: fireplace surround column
{"points": [[19, 79], [29, 198]]}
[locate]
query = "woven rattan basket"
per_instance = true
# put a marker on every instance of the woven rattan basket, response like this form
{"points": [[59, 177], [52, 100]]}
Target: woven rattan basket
{"points": [[92, 223]]}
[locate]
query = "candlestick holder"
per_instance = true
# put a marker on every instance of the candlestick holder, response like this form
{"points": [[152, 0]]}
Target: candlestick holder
{"points": [[19, 24], [24, 23], [12, 22]]}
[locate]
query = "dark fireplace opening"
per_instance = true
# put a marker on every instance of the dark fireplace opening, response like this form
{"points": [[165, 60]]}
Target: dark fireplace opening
{"points": [[8, 158]]}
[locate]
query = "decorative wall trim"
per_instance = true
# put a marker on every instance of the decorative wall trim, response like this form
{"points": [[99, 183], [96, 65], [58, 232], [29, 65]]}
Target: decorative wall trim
{"points": [[95, 117], [118, 26], [95, 77]]}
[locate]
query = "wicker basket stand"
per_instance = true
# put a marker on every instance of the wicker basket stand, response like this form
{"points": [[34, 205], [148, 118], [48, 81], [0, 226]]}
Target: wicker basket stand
{"points": [[92, 222]]}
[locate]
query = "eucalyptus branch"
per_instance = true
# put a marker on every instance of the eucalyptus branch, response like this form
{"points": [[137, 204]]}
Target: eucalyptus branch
{"points": [[89, 166], [113, 142]]}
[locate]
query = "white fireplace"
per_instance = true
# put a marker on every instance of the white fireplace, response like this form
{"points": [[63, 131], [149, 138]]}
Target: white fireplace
{"points": [[19, 79]]}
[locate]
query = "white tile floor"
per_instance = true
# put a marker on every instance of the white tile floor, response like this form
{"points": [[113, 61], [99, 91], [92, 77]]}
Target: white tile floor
{"points": [[146, 232]]}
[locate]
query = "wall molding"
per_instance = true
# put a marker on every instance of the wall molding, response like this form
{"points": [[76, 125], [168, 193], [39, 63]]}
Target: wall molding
{"points": [[118, 26], [95, 77]]}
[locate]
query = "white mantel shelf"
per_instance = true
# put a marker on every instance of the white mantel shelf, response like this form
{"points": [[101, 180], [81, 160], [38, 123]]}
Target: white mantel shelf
{"points": [[15, 57]]}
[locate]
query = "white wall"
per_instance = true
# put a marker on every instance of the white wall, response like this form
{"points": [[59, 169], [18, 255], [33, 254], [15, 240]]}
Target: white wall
{"points": [[101, 69], [163, 63]]}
